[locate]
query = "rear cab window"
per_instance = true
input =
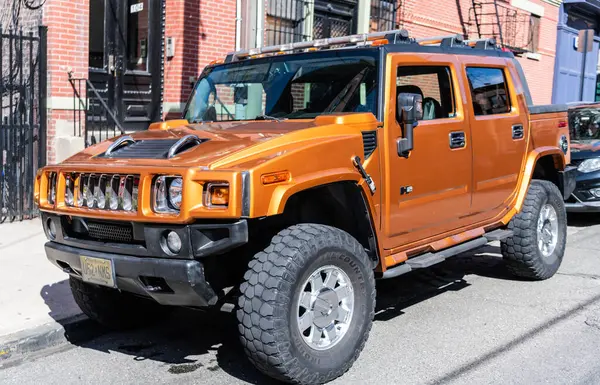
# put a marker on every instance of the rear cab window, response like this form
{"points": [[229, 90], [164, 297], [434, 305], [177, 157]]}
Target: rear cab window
{"points": [[489, 91]]}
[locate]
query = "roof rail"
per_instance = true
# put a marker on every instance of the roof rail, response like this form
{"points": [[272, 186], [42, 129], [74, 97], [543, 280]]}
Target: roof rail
{"points": [[486, 43]]}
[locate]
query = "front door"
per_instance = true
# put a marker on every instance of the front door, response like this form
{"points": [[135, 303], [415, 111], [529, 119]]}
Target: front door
{"points": [[125, 57], [428, 193]]}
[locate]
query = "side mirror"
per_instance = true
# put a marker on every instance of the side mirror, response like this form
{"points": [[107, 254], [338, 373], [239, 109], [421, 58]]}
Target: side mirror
{"points": [[410, 111]]}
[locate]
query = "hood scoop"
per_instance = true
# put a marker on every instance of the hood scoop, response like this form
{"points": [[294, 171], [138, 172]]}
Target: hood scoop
{"points": [[128, 148]]}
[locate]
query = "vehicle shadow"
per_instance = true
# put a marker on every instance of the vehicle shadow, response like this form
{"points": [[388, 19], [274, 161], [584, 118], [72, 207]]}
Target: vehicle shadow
{"points": [[583, 219], [195, 341]]}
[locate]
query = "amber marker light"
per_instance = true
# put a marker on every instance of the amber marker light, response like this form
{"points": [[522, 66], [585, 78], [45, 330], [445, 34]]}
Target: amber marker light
{"points": [[276, 177], [217, 195]]}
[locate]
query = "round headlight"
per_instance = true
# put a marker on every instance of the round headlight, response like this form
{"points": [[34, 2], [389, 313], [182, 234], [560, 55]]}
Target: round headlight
{"points": [[175, 193], [589, 165]]}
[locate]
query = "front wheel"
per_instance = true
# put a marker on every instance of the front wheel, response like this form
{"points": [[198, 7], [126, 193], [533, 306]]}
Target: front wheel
{"points": [[307, 304], [536, 249]]}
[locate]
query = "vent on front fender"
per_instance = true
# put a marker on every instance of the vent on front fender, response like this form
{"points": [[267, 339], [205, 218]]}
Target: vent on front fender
{"points": [[369, 142]]}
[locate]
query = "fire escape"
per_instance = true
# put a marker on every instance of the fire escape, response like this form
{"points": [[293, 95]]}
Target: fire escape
{"points": [[511, 28]]}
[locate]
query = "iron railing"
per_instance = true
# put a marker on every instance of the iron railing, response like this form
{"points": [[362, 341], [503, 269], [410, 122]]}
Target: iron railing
{"points": [[511, 27], [23, 69], [93, 120]]}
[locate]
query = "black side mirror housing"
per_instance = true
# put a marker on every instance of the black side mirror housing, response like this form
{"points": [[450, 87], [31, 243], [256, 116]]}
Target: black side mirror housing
{"points": [[410, 110]]}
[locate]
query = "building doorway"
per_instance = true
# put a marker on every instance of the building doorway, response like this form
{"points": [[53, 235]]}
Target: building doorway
{"points": [[125, 56]]}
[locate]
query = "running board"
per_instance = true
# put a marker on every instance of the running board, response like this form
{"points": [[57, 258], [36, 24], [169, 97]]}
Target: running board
{"points": [[430, 259]]}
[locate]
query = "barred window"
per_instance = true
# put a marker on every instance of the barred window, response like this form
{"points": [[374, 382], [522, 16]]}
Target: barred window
{"points": [[285, 21], [384, 15]]}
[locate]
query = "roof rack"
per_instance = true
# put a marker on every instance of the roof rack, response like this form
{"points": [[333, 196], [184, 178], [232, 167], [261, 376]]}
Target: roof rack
{"points": [[398, 36], [357, 40]]}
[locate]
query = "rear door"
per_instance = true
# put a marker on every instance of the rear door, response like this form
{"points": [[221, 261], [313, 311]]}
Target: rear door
{"points": [[429, 192], [499, 129]]}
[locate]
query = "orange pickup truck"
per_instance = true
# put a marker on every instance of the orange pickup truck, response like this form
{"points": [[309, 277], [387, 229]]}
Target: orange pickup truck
{"points": [[300, 174]]}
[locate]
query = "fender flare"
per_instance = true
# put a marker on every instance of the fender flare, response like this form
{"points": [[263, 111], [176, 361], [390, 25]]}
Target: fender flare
{"points": [[282, 193], [530, 163]]}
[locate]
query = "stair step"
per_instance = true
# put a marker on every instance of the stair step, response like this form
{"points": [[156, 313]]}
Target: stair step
{"points": [[498, 235], [425, 260]]}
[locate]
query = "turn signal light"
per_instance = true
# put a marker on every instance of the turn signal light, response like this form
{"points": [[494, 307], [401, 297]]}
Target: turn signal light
{"points": [[276, 177], [217, 194]]}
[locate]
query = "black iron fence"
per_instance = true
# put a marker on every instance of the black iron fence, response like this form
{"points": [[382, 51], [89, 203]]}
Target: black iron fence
{"points": [[23, 69], [93, 119]]}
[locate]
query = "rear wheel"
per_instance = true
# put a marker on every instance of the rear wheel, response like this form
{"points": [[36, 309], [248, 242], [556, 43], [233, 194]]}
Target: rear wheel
{"points": [[536, 249], [115, 309], [307, 304]]}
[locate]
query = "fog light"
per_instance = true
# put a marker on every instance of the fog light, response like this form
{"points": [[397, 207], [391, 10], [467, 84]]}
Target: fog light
{"points": [[51, 229], [595, 192], [173, 242]]}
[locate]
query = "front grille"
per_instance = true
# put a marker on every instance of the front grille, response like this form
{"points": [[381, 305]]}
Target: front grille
{"points": [[113, 192], [110, 232]]}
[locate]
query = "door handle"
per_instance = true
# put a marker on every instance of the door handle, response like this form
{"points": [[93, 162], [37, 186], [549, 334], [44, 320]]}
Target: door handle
{"points": [[517, 131], [457, 139]]}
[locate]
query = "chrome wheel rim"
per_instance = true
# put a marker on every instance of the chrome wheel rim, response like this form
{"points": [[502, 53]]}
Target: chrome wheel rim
{"points": [[325, 307], [547, 230]]}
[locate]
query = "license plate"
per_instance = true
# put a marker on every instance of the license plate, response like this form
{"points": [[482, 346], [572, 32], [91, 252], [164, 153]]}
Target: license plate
{"points": [[97, 270]]}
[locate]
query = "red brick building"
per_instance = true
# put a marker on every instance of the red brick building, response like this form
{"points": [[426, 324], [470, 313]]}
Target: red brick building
{"points": [[142, 56]]}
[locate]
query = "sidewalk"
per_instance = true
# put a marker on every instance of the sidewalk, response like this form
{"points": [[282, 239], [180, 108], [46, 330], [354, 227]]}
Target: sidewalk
{"points": [[35, 299]]}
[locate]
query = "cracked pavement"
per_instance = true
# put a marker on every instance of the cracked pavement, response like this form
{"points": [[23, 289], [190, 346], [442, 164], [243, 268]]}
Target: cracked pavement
{"points": [[466, 321]]}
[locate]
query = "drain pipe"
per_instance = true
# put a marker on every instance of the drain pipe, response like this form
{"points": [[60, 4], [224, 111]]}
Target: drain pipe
{"points": [[238, 24]]}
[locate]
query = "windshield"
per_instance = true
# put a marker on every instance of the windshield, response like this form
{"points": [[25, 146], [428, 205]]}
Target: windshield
{"points": [[298, 86], [584, 124]]}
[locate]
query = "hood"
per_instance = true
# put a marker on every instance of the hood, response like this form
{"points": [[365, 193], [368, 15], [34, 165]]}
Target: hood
{"points": [[581, 150], [216, 141], [224, 145]]}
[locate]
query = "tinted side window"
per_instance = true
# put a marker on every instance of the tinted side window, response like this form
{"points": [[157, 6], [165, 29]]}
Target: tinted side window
{"points": [[488, 90], [434, 84]]}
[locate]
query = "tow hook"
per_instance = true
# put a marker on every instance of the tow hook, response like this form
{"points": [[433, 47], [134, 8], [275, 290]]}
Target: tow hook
{"points": [[363, 173]]}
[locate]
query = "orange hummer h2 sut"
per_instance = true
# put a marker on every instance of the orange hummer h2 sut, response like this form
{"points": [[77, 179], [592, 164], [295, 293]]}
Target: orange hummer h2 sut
{"points": [[302, 173]]}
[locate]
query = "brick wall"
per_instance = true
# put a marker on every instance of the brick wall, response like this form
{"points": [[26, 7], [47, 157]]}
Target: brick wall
{"points": [[67, 22], [204, 31], [444, 17]]}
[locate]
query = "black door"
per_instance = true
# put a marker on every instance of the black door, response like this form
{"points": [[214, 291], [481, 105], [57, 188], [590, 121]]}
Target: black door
{"points": [[335, 18], [125, 57]]}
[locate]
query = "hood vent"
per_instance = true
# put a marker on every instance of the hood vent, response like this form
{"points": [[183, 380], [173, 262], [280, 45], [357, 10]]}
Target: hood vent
{"points": [[369, 142], [151, 149]]}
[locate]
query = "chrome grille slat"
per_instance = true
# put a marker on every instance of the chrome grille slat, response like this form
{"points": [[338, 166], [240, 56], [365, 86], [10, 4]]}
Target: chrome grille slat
{"points": [[105, 191]]}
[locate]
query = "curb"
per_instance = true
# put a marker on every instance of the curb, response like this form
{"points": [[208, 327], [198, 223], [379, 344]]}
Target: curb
{"points": [[18, 347]]}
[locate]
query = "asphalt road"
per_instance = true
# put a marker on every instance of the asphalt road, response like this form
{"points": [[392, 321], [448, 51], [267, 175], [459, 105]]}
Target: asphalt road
{"points": [[466, 321]]}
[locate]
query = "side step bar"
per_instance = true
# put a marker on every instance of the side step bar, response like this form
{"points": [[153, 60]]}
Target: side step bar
{"points": [[430, 259]]}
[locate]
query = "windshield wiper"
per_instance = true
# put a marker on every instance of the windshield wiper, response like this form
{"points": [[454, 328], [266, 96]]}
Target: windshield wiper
{"points": [[268, 117]]}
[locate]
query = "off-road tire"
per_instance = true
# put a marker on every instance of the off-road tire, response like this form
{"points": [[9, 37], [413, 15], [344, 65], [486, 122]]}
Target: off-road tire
{"points": [[520, 251], [114, 309], [266, 307]]}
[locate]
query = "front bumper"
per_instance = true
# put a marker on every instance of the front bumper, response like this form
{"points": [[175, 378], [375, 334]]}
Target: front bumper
{"points": [[142, 264], [580, 207], [581, 199], [167, 281]]}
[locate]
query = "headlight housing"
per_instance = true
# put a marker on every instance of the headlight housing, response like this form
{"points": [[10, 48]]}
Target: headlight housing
{"points": [[216, 195], [167, 194], [589, 165], [51, 193]]}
